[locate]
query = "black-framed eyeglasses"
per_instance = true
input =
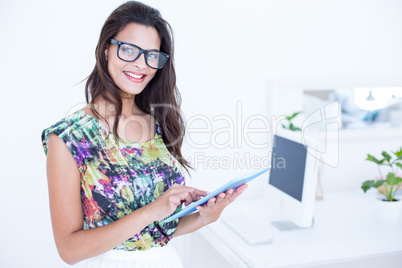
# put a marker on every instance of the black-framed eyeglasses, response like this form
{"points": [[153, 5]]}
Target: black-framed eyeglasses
{"points": [[130, 52]]}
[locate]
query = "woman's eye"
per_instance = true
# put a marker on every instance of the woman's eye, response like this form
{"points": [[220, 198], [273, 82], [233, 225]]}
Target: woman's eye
{"points": [[127, 50], [153, 56]]}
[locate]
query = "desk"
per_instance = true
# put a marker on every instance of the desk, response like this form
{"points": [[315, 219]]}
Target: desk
{"points": [[345, 230]]}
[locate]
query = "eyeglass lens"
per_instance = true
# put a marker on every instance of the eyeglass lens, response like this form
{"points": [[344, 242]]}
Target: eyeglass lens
{"points": [[154, 59]]}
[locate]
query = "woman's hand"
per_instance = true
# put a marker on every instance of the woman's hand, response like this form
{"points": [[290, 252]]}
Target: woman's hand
{"points": [[211, 211], [168, 202]]}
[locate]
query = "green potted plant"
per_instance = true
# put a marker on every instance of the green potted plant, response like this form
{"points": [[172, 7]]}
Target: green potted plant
{"points": [[391, 183], [390, 205]]}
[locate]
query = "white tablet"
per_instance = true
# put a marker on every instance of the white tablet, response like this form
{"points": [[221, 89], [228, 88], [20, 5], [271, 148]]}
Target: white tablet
{"points": [[233, 184]]}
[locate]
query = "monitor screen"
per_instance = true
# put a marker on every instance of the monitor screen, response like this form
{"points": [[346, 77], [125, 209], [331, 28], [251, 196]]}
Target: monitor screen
{"points": [[288, 163]]}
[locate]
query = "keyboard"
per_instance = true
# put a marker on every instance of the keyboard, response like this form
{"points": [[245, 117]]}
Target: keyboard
{"points": [[248, 229]]}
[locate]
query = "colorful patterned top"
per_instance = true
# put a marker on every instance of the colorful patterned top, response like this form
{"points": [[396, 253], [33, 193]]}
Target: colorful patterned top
{"points": [[118, 177]]}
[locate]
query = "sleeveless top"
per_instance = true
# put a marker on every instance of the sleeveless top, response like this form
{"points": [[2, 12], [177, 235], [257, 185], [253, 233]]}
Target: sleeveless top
{"points": [[118, 177]]}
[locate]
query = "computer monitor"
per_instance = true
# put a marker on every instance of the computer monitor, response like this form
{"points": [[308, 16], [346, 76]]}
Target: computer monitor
{"points": [[292, 181]]}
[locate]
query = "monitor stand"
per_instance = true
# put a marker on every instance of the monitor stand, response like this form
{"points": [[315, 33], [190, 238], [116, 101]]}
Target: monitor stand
{"points": [[288, 226]]}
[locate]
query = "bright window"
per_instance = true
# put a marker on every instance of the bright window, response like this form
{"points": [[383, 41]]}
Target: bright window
{"points": [[376, 98]]}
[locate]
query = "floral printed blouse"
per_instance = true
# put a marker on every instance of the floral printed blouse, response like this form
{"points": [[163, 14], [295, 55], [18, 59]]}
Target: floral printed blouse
{"points": [[118, 177]]}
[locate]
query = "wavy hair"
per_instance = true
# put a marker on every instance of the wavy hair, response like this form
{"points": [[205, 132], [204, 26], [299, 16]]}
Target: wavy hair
{"points": [[160, 96]]}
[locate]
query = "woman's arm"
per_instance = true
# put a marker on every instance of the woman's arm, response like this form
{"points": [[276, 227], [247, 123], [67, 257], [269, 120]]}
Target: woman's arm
{"points": [[207, 213], [75, 244]]}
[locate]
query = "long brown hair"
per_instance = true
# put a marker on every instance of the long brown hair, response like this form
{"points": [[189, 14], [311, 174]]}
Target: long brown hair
{"points": [[160, 96]]}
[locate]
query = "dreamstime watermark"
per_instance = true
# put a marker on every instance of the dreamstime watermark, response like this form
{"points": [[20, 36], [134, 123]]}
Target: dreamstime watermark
{"points": [[228, 132]]}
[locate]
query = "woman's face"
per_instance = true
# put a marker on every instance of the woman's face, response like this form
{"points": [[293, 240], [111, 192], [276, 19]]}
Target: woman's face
{"points": [[132, 77]]}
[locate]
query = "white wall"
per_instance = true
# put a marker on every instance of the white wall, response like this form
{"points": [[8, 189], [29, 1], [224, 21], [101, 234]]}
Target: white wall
{"points": [[226, 51]]}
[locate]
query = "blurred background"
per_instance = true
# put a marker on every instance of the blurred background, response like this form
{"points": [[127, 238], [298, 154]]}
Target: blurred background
{"points": [[238, 64]]}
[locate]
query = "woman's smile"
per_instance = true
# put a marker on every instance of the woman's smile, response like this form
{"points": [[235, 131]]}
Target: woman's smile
{"points": [[134, 76]]}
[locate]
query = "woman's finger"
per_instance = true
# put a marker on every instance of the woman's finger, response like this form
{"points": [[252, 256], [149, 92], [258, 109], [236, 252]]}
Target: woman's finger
{"points": [[241, 189], [177, 188], [211, 202], [237, 192], [188, 198], [220, 198], [189, 194], [230, 191], [199, 192], [193, 194]]}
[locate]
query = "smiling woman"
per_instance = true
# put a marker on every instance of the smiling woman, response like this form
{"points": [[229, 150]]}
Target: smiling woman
{"points": [[132, 77], [116, 77], [115, 168]]}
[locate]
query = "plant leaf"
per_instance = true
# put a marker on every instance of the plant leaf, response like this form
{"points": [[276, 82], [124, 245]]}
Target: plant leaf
{"points": [[386, 156], [392, 180], [371, 184], [399, 164], [367, 185], [373, 159], [378, 183], [399, 153], [293, 115], [293, 128]]}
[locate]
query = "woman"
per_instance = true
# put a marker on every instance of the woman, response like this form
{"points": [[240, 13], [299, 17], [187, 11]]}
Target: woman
{"points": [[117, 162]]}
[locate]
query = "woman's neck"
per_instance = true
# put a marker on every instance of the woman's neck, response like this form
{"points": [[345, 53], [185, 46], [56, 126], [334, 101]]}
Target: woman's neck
{"points": [[129, 108]]}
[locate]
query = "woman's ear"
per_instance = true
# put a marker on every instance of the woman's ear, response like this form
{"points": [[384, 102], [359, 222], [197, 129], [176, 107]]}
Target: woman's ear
{"points": [[106, 51]]}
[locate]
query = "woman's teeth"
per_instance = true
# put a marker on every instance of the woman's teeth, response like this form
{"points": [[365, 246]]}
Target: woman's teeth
{"points": [[136, 76]]}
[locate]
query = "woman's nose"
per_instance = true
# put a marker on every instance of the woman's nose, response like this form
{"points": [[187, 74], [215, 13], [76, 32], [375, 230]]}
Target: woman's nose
{"points": [[140, 62]]}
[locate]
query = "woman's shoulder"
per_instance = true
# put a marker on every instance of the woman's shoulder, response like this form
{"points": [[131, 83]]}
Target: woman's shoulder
{"points": [[72, 120], [69, 128]]}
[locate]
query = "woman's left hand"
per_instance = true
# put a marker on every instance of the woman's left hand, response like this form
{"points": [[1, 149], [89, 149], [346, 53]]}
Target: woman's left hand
{"points": [[211, 211]]}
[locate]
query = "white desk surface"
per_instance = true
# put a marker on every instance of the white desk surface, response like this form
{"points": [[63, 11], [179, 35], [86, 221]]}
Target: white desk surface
{"points": [[345, 229]]}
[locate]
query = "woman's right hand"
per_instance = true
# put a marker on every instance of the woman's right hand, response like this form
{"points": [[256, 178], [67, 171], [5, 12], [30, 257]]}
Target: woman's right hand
{"points": [[168, 202]]}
